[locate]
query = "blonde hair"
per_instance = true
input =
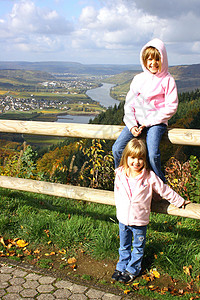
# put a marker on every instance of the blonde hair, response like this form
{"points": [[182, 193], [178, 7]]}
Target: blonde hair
{"points": [[135, 148], [153, 53]]}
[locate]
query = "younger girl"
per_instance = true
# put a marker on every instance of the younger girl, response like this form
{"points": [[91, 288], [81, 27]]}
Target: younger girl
{"points": [[134, 185], [151, 101]]}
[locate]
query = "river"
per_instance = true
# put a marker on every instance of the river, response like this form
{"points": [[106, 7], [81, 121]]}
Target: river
{"points": [[100, 94]]}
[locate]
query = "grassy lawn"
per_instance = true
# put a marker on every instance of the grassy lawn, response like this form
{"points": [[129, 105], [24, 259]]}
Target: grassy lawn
{"points": [[71, 227]]}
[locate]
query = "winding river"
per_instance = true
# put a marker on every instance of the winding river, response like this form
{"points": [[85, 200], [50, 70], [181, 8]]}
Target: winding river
{"points": [[100, 94]]}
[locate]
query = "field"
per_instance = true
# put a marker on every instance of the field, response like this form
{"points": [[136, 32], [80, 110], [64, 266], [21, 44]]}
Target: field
{"points": [[76, 238]]}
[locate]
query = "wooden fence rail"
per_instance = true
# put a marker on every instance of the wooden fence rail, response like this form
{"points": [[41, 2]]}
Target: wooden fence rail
{"points": [[110, 132], [175, 136]]}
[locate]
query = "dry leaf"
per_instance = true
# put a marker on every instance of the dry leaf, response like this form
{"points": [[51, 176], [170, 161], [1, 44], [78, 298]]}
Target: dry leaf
{"points": [[27, 252], [63, 251], [146, 277], [2, 241], [47, 232], [71, 260], [187, 270], [126, 292], [21, 243], [156, 274], [52, 253], [36, 251]]}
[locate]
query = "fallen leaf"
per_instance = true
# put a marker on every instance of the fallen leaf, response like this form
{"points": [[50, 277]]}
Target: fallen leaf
{"points": [[27, 252], [146, 277], [2, 241], [187, 270], [63, 251], [52, 253], [156, 274], [71, 260], [126, 292], [135, 283], [47, 232], [21, 243], [36, 251]]}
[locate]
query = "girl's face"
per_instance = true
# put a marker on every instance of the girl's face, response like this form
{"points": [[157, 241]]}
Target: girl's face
{"points": [[152, 65], [135, 164]]}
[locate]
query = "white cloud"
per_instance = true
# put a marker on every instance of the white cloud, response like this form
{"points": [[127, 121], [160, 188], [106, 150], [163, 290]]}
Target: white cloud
{"points": [[27, 18], [107, 30]]}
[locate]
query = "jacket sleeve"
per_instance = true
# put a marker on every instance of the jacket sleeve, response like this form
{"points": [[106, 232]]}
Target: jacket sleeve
{"points": [[129, 111], [165, 113], [165, 191]]}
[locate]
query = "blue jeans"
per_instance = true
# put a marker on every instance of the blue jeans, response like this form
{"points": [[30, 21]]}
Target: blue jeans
{"points": [[153, 137], [131, 236]]}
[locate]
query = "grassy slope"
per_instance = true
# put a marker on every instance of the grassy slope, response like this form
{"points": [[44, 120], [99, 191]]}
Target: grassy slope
{"points": [[172, 242]]}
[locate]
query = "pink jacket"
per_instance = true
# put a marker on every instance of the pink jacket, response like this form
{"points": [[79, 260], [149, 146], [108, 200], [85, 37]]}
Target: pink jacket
{"points": [[134, 204], [152, 98]]}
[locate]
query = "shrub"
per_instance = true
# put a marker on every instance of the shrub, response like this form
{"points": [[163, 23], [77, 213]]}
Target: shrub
{"points": [[184, 178]]}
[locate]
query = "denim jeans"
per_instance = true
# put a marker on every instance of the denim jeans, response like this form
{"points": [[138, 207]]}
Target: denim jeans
{"points": [[153, 137], [131, 236]]}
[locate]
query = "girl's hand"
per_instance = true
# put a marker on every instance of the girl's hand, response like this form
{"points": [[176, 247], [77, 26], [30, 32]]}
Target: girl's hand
{"points": [[136, 131], [185, 203]]}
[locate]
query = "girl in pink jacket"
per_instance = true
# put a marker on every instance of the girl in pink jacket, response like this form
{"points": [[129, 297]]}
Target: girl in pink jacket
{"points": [[151, 101], [134, 185]]}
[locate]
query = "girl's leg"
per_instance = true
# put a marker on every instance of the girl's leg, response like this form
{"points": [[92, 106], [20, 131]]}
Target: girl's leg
{"points": [[119, 145], [125, 235], [135, 264], [154, 136]]}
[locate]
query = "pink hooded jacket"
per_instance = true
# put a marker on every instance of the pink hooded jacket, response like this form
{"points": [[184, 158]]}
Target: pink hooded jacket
{"points": [[133, 203], [152, 98]]}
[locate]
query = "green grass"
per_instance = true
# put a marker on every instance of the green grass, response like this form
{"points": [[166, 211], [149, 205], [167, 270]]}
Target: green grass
{"points": [[172, 242]]}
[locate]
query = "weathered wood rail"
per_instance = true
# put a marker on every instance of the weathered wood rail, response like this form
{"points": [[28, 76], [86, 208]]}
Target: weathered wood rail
{"points": [[175, 136]]}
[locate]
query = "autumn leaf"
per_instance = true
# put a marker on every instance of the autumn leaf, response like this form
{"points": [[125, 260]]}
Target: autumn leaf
{"points": [[135, 283], [71, 260], [47, 232], [126, 292], [74, 267], [146, 277], [36, 251], [21, 243], [187, 270], [63, 251], [2, 241], [27, 252], [155, 273]]}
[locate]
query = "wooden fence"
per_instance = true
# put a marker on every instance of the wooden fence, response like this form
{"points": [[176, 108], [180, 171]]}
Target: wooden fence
{"points": [[111, 132]]}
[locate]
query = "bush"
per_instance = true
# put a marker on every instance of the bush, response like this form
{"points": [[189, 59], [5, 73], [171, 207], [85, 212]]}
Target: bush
{"points": [[184, 178]]}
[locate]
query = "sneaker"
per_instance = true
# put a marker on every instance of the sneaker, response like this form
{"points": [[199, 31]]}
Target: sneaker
{"points": [[126, 277], [116, 275]]}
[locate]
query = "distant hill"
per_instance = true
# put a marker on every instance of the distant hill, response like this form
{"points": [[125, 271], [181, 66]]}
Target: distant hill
{"points": [[68, 67], [187, 78], [22, 78]]}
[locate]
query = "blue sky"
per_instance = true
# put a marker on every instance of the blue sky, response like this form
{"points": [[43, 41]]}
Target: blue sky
{"points": [[98, 31]]}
